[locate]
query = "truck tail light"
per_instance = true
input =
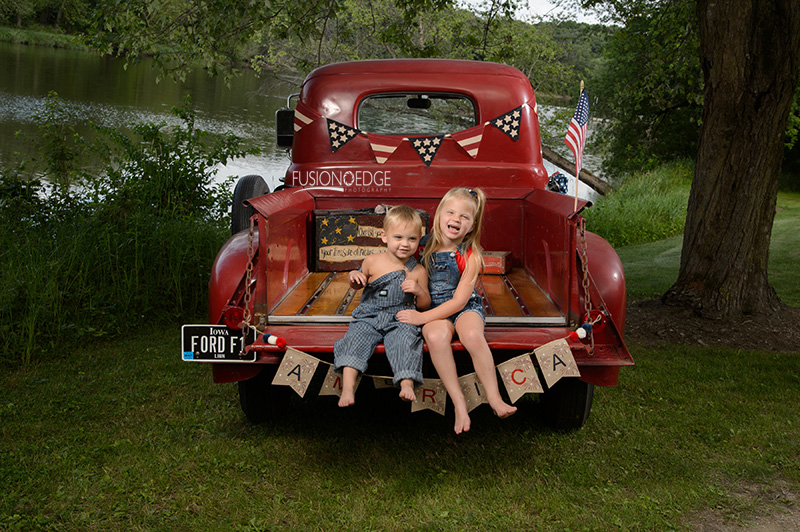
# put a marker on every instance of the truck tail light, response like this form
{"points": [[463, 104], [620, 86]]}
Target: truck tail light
{"points": [[233, 317]]}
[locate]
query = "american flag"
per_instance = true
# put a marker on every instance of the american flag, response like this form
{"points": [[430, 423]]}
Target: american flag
{"points": [[576, 134]]}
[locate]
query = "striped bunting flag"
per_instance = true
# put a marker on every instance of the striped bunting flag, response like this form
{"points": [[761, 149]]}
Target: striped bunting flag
{"points": [[469, 139], [303, 116], [383, 146]]}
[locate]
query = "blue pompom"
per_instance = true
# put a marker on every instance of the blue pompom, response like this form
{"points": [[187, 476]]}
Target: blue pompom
{"points": [[557, 183]]}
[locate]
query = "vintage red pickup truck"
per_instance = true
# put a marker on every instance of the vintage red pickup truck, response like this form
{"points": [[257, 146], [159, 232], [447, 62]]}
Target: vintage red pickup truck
{"points": [[370, 134]]}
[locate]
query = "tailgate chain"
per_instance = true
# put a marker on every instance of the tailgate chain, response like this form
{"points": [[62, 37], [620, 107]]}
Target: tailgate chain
{"points": [[248, 280], [587, 302]]}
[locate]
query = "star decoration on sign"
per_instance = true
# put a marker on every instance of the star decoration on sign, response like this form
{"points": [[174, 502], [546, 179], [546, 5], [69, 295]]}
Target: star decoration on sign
{"points": [[509, 123], [426, 147], [340, 134]]}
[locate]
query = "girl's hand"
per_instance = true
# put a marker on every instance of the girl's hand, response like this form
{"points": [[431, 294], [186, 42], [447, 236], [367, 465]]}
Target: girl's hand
{"points": [[410, 316]]}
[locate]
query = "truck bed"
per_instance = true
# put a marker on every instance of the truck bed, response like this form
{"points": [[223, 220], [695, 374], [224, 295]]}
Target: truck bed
{"points": [[326, 298]]}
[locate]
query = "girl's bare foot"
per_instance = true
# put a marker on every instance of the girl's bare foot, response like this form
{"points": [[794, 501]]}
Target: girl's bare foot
{"points": [[503, 410], [407, 390], [347, 398], [463, 421]]}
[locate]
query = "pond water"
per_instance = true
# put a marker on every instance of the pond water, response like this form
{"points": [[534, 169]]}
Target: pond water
{"points": [[102, 90]]}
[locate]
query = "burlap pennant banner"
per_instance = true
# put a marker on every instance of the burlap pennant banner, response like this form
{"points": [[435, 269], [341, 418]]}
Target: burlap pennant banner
{"points": [[520, 377], [296, 370], [381, 383], [556, 360], [473, 391], [332, 385], [430, 396]]}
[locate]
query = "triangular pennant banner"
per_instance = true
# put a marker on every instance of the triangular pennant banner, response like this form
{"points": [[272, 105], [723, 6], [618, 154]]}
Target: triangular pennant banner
{"points": [[303, 116], [340, 134], [296, 370], [520, 377], [383, 146], [332, 385], [426, 147], [473, 391], [509, 123], [469, 139], [381, 383], [556, 360], [431, 396]]}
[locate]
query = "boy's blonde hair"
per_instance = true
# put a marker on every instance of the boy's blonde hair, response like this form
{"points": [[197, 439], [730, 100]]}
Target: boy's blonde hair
{"points": [[403, 214], [473, 239]]}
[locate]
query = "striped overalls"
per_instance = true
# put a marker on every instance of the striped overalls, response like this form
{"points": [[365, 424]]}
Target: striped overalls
{"points": [[374, 321]]}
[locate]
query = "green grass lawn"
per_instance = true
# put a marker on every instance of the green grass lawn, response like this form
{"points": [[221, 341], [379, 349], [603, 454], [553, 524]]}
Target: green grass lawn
{"points": [[126, 436]]}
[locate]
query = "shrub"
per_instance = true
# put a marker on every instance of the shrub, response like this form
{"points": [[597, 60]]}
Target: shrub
{"points": [[98, 256]]}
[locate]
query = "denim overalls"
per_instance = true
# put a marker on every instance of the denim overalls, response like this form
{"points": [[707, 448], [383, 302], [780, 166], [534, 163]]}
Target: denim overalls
{"points": [[444, 278], [374, 321]]}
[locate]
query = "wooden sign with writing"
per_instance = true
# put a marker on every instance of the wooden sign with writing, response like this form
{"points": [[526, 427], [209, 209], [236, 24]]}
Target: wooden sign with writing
{"points": [[343, 238]]}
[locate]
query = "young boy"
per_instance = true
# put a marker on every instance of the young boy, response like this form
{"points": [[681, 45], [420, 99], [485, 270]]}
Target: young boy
{"points": [[392, 281]]}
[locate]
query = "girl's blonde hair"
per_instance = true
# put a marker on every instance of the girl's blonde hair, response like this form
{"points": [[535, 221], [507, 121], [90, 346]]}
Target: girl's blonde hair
{"points": [[473, 239]]}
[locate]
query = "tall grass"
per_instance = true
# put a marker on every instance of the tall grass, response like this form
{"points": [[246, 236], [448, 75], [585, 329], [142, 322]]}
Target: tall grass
{"points": [[645, 207], [41, 38], [92, 256]]}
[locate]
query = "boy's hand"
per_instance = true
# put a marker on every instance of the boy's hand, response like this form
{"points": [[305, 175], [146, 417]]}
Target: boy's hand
{"points": [[411, 286], [357, 278]]}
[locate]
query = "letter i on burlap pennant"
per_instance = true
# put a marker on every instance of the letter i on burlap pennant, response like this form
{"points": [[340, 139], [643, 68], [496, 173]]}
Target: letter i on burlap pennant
{"points": [[473, 391]]}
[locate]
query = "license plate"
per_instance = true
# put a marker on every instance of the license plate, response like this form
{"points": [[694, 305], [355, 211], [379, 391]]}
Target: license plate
{"points": [[215, 343]]}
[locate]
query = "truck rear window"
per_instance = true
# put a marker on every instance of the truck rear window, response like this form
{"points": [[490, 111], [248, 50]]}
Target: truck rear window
{"points": [[416, 114]]}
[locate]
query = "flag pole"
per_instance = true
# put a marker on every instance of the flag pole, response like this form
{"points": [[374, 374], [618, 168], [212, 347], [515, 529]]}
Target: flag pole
{"points": [[577, 171]]}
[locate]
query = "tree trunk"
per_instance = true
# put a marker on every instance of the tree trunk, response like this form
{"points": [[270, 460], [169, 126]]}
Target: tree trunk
{"points": [[751, 61]]}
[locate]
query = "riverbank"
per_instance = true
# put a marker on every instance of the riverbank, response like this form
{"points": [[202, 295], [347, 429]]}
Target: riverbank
{"points": [[42, 38]]}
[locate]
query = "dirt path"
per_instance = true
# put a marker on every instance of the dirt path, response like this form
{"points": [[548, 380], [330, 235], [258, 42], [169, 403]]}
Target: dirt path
{"points": [[777, 509]]}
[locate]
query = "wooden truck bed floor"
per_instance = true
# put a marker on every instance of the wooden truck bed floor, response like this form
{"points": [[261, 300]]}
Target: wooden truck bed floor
{"points": [[326, 297]]}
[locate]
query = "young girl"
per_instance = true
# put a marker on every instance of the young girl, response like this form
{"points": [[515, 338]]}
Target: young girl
{"points": [[453, 259]]}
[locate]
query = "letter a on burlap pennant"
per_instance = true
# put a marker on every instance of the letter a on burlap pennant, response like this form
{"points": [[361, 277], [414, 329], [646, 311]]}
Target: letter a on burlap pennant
{"points": [[556, 360], [296, 370]]}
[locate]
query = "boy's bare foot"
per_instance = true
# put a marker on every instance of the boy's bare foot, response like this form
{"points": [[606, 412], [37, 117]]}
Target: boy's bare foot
{"points": [[347, 398], [407, 390], [463, 421], [503, 410]]}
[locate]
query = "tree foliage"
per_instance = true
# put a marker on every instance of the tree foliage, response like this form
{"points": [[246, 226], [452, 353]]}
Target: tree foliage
{"points": [[652, 85]]}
